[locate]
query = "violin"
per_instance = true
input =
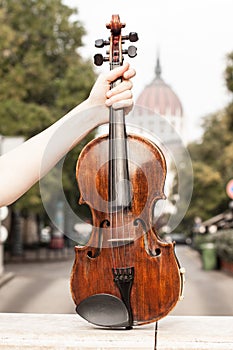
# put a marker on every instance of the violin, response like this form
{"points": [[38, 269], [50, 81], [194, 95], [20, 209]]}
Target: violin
{"points": [[125, 275]]}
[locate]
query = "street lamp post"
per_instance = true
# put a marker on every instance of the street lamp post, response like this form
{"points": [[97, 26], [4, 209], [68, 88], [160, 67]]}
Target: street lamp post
{"points": [[3, 230], [3, 236], [6, 144], [231, 208]]}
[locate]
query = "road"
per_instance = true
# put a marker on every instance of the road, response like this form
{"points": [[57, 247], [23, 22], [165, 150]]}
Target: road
{"points": [[207, 293], [44, 288]]}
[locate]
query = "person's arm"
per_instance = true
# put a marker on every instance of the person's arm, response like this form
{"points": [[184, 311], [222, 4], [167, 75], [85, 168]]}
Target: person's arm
{"points": [[22, 167]]}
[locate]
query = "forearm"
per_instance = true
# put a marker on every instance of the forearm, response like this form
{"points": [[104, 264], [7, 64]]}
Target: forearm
{"points": [[24, 166]]}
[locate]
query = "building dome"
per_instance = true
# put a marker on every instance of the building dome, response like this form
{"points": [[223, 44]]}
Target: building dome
{"points": [[158, 97]]}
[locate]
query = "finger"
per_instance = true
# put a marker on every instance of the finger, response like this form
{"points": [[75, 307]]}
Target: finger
{"points": [[125, 85], [126, 104], [130, 73], [117, 72], [124, 95]]}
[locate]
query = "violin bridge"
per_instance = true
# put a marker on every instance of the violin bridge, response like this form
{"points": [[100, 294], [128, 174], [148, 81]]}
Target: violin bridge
{"points": [[117, 242]]}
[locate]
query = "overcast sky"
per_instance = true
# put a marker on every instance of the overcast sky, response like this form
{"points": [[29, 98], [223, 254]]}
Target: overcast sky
{"points": [[192, 36]]}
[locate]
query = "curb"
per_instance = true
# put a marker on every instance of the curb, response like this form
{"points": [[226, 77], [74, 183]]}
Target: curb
{"points": [[6, 277]]}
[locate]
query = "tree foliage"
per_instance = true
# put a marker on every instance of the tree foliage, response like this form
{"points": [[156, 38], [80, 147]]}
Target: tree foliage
{"points": [[213, 160], [229, 72], [42, 73]]}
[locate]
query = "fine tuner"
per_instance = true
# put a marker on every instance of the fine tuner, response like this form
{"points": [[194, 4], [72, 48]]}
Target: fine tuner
{"points": [[131, 51]]}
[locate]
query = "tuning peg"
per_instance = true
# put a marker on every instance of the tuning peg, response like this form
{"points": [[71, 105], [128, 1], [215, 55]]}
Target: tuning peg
{"points": [[132, 51], [99, 59], [133, 37], [100, 43]]}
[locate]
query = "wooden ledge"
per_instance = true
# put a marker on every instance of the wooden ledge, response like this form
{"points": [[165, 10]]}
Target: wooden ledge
{"points": [[60, 332]]}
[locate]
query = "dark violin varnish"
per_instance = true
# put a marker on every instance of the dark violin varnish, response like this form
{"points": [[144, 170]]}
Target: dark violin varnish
{"points": [[125, 275]]}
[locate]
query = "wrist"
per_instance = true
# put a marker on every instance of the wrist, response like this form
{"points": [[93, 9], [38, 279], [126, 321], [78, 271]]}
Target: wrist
{"points": [[99, 112]]}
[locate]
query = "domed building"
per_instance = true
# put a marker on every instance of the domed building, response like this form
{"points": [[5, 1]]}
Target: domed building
{"points": [[158, 115], [158, 109]]}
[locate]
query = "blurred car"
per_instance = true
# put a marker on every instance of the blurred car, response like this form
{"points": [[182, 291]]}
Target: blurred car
{"points": [[45, 234], [178, 237]]}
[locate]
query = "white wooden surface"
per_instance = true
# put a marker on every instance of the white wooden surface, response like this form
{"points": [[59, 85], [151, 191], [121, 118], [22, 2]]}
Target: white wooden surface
{"points": [[64, 332]]}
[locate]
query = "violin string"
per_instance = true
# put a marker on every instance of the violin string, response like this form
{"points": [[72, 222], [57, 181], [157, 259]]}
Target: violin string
{"points": [[122, 214], [111, 175], [114, 178], [114, 195], [110, 187], [129, 205], [111, 170], [116, 155], [125, 172], [123, 160]]}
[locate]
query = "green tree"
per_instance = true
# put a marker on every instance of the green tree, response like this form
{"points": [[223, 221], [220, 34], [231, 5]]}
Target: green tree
{"points": [[213, 160], [229, 72], [42, 73]]}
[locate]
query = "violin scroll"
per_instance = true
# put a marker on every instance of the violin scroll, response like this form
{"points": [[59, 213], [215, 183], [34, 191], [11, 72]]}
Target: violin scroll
{"points": [[115, 43]]}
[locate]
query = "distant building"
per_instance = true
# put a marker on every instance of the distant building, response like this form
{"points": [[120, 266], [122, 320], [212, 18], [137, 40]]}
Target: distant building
{"points": [[158, 115], [159, 110]]}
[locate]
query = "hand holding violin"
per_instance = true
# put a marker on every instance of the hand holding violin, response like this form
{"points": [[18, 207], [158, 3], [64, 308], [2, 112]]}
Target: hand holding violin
{"points": [[118, 97]]}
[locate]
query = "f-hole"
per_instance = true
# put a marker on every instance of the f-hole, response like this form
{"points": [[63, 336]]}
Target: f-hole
{"points": [[153, 253], [98, 249]]}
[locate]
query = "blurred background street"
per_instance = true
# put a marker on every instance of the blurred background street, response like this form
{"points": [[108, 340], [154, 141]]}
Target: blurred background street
{"points": [[183, 102], [43, 287]]}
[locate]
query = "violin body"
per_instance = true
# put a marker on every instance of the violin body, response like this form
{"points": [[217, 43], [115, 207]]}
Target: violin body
{"points": [[157, 281], [125, 275]]}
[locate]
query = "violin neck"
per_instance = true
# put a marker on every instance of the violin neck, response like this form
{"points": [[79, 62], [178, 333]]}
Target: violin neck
{"points": [[119, 185]]}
